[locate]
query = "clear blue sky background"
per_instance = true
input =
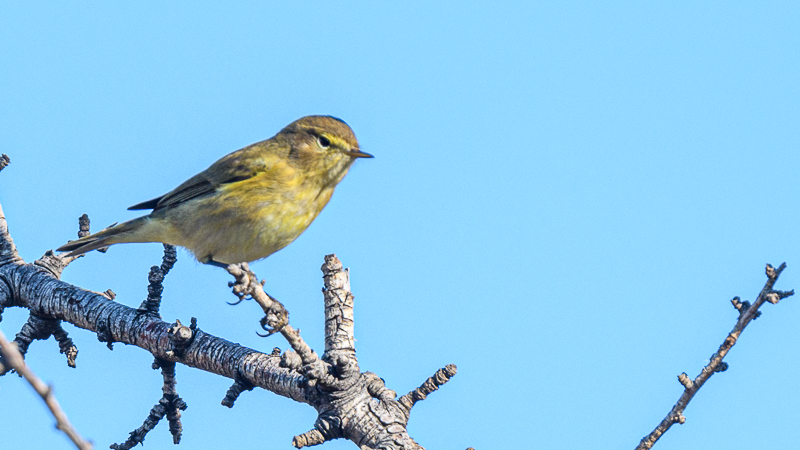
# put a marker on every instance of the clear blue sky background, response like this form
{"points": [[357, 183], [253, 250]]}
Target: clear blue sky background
{"points": [[565, 197]]}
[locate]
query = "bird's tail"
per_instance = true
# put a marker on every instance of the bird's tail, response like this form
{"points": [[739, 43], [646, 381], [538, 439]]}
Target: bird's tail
{"points": [[129, 231]]}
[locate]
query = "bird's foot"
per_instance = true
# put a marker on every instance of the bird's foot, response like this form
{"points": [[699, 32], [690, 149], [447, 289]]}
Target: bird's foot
{"points": [[247, 285], [275, 320]]}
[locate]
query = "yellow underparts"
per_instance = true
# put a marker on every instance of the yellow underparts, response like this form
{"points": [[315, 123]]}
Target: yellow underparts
{"points": [[244, 221]]}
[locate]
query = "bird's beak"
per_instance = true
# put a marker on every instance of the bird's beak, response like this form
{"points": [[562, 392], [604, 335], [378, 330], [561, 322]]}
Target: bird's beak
{"points": [[357, 153]]}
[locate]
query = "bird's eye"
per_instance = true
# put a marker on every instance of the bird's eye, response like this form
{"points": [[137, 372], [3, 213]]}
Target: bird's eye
{"points": [[324, 142]]}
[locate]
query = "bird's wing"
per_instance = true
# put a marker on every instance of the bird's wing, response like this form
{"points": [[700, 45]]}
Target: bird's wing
{"points": [[234, 167]]}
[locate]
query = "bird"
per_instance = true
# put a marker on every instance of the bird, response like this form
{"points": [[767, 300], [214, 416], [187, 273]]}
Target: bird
{"points": [[250, 203]]}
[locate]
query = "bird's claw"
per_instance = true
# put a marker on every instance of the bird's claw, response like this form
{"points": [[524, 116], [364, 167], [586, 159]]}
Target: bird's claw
{"points": [[240, 300], [273, 322]]}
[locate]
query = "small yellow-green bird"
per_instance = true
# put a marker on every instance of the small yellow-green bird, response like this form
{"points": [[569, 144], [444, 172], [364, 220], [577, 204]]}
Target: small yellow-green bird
{"points": [[249, 204]]}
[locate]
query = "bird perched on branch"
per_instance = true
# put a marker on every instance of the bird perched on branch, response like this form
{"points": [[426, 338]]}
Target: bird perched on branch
{"points": [[249, 204]]}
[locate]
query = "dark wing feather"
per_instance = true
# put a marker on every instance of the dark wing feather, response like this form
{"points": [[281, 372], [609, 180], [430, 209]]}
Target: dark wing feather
{"points": [[193, 187], [229, 169], [150, 204]]}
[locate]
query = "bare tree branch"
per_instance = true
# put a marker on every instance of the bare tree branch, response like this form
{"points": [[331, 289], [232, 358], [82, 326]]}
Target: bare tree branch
{"points": [[747, 313], [14, 358], [351, 404]]}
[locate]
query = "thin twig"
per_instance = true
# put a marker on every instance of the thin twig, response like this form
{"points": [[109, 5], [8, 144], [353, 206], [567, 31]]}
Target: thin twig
{"points": [[430, 386], [747, 313], [276, 315], [14, 358]]}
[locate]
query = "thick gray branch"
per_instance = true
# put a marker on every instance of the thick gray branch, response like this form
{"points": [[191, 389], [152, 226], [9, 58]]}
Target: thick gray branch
{"points": [[47, 297]]}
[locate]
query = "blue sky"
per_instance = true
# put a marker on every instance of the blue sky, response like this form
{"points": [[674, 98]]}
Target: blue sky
{"points": [[565, 196]]}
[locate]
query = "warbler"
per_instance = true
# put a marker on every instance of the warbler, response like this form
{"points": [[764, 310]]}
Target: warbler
{"points": [[249, 204]]}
